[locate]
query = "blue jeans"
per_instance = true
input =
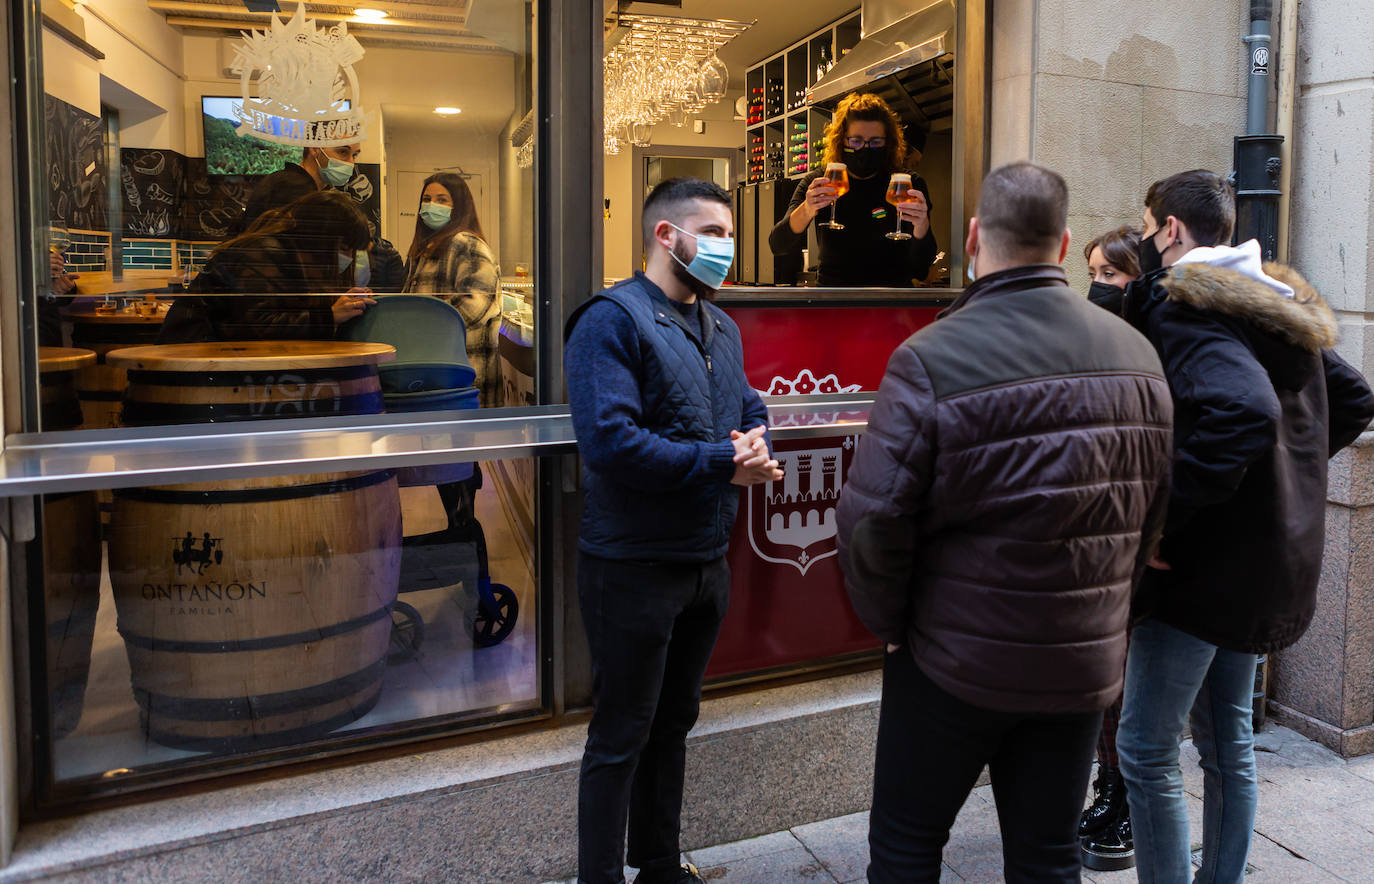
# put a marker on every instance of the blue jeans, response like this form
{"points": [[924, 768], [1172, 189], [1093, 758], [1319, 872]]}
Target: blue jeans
{"points": [[1169, 673]]}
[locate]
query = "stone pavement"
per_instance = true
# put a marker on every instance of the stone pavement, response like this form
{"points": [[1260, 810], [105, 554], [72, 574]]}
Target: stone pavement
{"points": [[1315, 824]]}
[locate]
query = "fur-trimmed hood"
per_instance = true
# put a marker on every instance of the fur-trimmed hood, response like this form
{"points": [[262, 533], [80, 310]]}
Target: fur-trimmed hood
{"points": [[1304, 320]]}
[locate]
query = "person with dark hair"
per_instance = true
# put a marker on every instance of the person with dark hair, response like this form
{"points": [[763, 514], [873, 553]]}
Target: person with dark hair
{"points": [[449, 258], [323, 168], [669, 428], [1261, 402], [866, 136], [1007, 493], [1105, 826], [277, 279], [1113, 262]]}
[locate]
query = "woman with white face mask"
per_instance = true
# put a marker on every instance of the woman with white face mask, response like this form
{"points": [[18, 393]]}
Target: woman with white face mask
{"points": [[450, 259]]}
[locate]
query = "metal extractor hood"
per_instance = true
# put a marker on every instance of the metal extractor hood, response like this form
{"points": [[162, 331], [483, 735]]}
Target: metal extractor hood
{"points": [[897, 35]]}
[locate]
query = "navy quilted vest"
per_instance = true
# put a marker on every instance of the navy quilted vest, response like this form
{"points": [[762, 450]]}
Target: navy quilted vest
{"points": [[693, 389]]}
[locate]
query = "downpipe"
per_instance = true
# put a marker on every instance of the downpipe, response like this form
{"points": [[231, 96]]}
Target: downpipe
{"points": [[1258, 166]]}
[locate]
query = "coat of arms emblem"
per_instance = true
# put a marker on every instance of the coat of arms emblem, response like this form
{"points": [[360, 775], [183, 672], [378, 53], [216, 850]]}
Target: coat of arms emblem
{"points": [[792, 521]]}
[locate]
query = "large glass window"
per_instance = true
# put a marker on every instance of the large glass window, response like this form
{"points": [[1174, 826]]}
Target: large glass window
{"points": [[876, 92], [193, 622], [312, 179], [251, 216]]}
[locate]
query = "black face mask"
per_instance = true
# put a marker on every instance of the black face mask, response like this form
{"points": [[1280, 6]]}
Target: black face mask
{"points": [[864, 162], [1104, 293], [1151, 259]]}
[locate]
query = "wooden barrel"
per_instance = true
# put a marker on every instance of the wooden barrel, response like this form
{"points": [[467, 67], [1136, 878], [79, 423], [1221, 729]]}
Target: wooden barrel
{"points": [[250, 380], [71, 552], [101, 386], [71, 599], [59, 407], [254, 612]]}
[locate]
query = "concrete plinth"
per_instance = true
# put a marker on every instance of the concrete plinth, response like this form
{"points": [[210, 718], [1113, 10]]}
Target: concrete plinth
{"points": [[1323, 686]]}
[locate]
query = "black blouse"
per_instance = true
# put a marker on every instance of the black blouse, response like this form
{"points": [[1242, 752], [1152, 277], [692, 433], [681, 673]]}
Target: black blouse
{"points": [[860, 254]]}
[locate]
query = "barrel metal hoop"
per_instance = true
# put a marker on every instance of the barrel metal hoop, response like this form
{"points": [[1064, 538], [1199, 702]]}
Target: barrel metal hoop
{"points": [[261, 706], [247, 377], [139, 414], [266, 643], [273, 494], [259, 741]]}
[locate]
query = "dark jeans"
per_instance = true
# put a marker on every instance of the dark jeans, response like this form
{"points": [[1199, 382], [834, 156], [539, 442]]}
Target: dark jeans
{"points": [[931, 749], [651, 628]]}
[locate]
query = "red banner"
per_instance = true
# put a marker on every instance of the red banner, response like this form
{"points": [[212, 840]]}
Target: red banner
{"points": [[788, 603]]}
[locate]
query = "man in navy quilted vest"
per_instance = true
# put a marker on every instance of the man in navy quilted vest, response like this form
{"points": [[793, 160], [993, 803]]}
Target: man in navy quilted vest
{"points": [[668, 428]]}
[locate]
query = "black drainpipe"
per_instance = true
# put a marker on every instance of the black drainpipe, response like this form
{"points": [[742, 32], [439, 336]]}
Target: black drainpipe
{"points": [[1257, 161]]}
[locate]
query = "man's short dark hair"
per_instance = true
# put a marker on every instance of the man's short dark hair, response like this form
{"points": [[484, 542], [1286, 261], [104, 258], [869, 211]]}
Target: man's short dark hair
{"points": [[672, 201], [1202, 200], [1022, 211]]}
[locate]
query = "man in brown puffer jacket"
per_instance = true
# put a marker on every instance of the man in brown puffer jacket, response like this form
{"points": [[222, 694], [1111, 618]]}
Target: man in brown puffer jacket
{"points": [[1007, 494]]}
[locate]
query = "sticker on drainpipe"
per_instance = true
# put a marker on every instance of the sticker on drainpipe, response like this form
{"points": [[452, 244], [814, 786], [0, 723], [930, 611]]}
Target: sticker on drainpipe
{"points": [[1259, 61]]}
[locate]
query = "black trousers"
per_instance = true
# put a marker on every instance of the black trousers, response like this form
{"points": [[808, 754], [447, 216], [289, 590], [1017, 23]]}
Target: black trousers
{"points": [[651, 628], [931, 749]]}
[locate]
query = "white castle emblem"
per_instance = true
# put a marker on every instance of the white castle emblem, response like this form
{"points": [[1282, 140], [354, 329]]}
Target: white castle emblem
{"points": [[307, 92], [792, 521]]}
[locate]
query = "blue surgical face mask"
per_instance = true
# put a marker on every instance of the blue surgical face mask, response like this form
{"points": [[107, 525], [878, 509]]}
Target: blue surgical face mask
{"points": [[337, 173], [346, 260], [362, 273], [715, 255], [972, 275], [435, 215]]}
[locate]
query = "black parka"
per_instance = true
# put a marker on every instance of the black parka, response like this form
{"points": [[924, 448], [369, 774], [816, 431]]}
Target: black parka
{"points": [[1260, 404]]}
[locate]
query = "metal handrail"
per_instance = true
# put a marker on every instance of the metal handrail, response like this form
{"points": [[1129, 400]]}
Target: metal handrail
{"points": [[45, 463]]}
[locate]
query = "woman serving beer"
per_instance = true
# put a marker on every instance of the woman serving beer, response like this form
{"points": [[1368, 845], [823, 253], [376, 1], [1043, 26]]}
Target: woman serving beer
{"points": [[875, 230]]}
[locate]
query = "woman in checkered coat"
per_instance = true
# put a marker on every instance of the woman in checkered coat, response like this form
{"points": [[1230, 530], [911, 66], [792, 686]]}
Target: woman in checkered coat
{"points": [[450, 259]]}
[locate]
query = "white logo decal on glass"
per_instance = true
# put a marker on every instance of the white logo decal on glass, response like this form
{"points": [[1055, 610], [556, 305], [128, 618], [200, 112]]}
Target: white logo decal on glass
{"points": [[307, 93]]}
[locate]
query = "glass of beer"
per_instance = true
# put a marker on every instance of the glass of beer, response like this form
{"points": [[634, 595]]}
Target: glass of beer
{"points": [[838, 176], [899, 192]]}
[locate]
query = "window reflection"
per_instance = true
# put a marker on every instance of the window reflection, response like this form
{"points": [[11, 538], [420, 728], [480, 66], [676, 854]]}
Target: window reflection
{"points": [[183, 210], [217, 618]]}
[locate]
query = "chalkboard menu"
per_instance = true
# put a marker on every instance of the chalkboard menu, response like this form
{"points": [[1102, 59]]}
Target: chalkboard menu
{"points": [[213, 205], [77, 172], [167, 195], [153, 186]]}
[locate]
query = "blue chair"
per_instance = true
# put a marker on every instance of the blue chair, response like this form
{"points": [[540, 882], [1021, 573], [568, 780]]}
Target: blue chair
{"points": [[432, 373]]}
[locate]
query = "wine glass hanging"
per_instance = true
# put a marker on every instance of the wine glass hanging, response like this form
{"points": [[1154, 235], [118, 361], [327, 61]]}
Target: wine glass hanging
{"points": [[661, 68]]}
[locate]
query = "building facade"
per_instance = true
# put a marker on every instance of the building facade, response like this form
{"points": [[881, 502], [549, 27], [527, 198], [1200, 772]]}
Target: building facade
{"points": [[457, 760]]}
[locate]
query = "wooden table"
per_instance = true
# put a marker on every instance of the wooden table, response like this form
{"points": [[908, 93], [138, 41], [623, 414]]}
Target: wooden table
{"points": [[104, 283], [59, 407], [100, 386], [250, 380]]}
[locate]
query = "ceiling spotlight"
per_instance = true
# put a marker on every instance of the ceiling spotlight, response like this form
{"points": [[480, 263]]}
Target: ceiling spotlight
{"points": [[448, 111], [370, 14]]}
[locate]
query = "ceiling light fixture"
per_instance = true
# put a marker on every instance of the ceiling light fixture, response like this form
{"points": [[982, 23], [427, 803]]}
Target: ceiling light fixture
{"points": [[448, 111], [370, 14]]}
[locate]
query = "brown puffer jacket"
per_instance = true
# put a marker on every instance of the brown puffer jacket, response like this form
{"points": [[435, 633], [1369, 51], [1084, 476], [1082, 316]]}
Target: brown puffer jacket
{"points": [[992, 521]]}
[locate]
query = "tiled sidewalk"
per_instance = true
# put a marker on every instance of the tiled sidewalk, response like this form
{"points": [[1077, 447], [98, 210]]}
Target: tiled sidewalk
{"points": [[1315, 824]]}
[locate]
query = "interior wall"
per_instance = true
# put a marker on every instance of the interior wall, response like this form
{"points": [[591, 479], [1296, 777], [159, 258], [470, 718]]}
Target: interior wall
{"points": [[936, 162], [142, 55], [722, 130], [516, 203], [448, 146]]}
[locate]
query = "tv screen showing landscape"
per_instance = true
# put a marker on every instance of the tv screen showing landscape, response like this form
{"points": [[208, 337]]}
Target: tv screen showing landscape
{"points": [[228, 153]]}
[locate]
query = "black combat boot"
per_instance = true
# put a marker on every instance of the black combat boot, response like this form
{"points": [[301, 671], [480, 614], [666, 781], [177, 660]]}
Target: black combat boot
{"points": [[1112, 849], [1109, 803]]}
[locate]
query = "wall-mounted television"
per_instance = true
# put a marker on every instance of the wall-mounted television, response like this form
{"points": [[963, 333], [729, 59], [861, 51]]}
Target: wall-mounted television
{"points": [[228, 153]]}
